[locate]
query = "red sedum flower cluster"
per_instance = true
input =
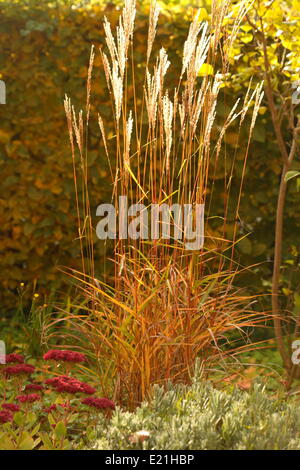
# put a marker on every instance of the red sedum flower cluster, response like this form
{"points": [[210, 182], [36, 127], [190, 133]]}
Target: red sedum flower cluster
{"points": [[14, 359], [60, 384], [99, 403], [11, 407], [35, 387], [5, 416], [64, 356], [19, 369], [30, 398], [66, 384]]}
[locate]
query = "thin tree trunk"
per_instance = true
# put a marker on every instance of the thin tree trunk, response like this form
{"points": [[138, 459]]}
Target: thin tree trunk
{"points": [[277, 316]]}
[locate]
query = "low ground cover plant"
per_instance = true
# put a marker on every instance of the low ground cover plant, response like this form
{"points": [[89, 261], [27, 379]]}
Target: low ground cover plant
{"points": [[201, 417]]}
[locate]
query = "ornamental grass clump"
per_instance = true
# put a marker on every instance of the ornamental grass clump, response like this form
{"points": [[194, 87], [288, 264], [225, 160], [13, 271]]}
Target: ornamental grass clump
{"points": [[162, 304]]}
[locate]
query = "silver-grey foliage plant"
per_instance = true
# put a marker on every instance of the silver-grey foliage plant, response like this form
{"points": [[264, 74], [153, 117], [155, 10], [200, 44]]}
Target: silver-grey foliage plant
{"points": [[201, 417]]}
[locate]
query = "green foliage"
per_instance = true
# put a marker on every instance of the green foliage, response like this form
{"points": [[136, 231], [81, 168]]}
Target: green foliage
{"points": [[203, 418], [279, 22], [22, 434]]}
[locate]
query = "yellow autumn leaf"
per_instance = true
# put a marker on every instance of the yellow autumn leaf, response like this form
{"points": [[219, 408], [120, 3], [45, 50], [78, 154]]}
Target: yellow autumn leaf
{"points": [[247, 38], [205, 69], [226, 21], [287, 44], [262, 109], [202, 14], [246, 28]]}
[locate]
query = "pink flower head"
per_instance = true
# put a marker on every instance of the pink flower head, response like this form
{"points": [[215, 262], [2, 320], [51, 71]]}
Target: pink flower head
{"points": [[68, 388], [99, 403], [87, 389], [66, 384], [11, 407], [31, 398], [54, 381], [61, 355], [19, 369], [5, 416], [35, 387], [14, 359]]}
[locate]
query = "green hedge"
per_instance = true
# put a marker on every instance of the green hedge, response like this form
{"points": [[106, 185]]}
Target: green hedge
{"points": [[45, 51]]}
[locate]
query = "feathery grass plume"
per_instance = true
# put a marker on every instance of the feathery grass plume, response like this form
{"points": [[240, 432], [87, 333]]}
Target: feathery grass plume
{"points": [[199, 56], [78, 129], [211, 115], [243, 8], [230, 118], [163, 306], [153, 19], [151, 94], [107, 70], [116, 70], [168, 119], [190, 44], [247, 102], [102, 130], [110, 42], [129, 126], [154, 86], [69, 116], [117, 86], [163, 65], [259, 94], [197, 107], [128, 17], [219, 11], [89, 83]]}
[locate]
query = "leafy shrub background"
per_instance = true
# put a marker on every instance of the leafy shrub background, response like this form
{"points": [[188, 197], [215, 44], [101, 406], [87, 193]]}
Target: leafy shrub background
{"points": [[45, 52], [203, 418]]}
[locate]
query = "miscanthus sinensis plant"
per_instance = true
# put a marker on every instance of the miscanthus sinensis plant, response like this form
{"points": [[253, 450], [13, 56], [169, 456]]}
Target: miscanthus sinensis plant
{"points": [[163, 306], [201, 417]]}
